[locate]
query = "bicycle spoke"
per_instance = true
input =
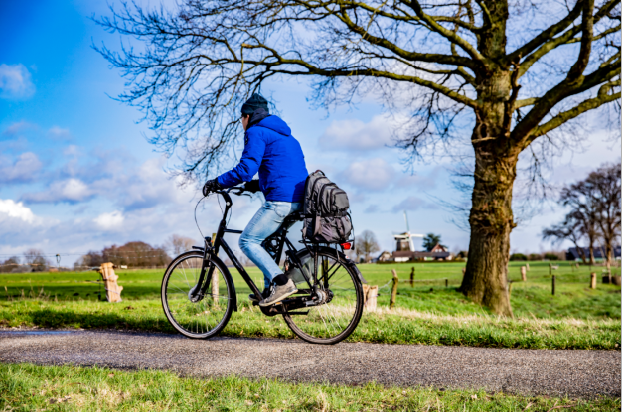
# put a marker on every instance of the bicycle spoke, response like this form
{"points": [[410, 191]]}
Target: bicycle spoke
{"points": [[207, 314], [333, 321]]}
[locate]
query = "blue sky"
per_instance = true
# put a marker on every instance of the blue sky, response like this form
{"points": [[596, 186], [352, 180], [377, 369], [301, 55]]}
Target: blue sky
{"points": [[76, 171]]}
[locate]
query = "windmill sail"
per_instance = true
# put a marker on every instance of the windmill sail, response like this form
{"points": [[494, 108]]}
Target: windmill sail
{"points": [[404, 241]]}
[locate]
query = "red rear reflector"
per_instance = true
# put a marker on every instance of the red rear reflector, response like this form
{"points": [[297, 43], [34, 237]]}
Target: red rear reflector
{"points": [[347, 246]]}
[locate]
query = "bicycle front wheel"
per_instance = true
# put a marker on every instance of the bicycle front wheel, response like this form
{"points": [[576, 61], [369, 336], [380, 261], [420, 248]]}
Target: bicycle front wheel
{"points": [[336, 318], [205, 318]]}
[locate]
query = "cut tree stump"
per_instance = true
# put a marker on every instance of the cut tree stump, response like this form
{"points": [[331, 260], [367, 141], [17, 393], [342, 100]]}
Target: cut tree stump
{"points": [[215, 288], [371, 297], [113, 291], [593, 280]]}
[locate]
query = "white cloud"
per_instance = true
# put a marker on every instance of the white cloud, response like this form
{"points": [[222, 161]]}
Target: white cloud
{"points": [[15, 82], [23, 170], [69, 191], [411, 203], [420, 181], [18, 127], [113, 178], [111, 220], [15, 210], [353, 134], [58, 133], [372, 174]]}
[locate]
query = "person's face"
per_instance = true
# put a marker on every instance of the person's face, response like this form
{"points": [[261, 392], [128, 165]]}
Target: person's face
{"points": [[245, 118]]}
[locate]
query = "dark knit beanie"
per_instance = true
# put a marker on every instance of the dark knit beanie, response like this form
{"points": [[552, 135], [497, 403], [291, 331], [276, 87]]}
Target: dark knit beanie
{"points": [[255, 102]]}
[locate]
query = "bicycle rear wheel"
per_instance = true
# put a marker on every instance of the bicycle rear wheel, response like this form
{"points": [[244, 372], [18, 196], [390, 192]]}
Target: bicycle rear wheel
{"points": [[334, 320], [207, 317]]}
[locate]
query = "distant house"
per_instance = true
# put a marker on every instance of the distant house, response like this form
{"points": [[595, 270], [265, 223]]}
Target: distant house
{"points": [[438, 252], [438, 248], [384, 257], [599, 253]]}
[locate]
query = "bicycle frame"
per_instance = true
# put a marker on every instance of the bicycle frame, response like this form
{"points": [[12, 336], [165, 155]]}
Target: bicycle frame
{"points": [[213, 246]]}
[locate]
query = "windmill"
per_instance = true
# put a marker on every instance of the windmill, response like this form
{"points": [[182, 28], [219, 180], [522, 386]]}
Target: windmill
{"points": [[404, 241]]}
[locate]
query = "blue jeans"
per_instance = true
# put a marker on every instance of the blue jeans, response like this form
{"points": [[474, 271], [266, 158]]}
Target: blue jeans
{"points": [[265, 222]]}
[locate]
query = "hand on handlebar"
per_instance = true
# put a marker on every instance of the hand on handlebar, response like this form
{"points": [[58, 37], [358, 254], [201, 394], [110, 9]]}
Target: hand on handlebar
{"points": [[211, 186]]}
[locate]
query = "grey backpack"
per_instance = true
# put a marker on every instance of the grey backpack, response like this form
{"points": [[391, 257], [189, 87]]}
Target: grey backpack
{"points": [[326, 211]]}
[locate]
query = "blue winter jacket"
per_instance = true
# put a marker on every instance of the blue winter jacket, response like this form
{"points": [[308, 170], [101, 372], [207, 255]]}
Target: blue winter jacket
{"points": [[271, 150]]}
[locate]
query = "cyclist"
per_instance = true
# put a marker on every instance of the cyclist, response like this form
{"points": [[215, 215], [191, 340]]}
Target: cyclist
{"points": [[271, 150]]}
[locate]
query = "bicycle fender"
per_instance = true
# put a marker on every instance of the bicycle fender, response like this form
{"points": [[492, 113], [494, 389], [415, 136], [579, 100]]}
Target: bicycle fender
{"points": [[351, 264]]}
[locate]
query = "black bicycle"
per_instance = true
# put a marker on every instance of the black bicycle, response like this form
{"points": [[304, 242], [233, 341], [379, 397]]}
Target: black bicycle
{"points": [[198, 295]]}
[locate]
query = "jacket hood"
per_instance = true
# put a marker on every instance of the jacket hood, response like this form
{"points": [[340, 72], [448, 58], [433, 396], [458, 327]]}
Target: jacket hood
{"points": [[275, 123]]}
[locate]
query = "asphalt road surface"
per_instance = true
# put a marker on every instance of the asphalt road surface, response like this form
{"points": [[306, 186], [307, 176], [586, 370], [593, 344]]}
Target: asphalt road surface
{"points": [[577, 373]]}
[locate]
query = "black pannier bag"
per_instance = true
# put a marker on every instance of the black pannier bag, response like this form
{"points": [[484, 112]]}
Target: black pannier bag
{"points": [[326, 211]]}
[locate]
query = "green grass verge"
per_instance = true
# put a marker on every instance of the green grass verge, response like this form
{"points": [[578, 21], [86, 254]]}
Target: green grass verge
{"points": [[26, 387], [533, 298], [428, 313], [400, 326]]}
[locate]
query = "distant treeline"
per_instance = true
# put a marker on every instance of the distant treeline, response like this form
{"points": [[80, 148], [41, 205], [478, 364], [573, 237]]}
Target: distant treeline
{"points": [[132, 254], [33, 260], [537, 256]]}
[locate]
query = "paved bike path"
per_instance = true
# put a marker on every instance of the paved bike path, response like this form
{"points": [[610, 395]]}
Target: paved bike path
{"points": [[547, 372]]}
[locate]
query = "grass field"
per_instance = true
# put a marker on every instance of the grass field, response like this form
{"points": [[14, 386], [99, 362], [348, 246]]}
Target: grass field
{"points": [[66, 388], [429, 313]]}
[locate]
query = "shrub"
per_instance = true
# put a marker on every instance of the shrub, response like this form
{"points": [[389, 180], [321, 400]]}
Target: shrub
{"points": [[551, 256], [535, 256], [517, 256]]}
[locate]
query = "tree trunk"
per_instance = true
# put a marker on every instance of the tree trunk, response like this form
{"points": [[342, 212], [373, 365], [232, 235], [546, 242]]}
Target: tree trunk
{"points": [[491, 217], [491, 220]]}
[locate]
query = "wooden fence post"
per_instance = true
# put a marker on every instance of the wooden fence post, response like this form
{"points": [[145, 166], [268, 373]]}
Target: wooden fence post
{"points": [[527, 264], [412, 277], [393, 288], [365, 292], [609, 271], [446, 282], [553, 285], [593, 280], [523, 272]]}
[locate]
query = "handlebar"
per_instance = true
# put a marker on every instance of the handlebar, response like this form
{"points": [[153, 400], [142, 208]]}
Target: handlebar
{"points": [[238, 191], [235, 190]]}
